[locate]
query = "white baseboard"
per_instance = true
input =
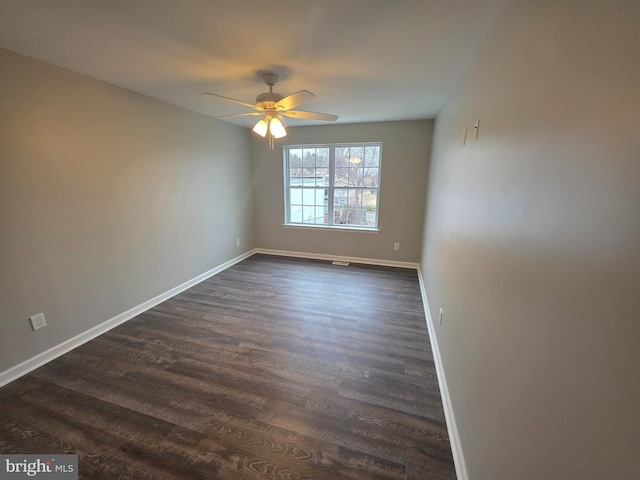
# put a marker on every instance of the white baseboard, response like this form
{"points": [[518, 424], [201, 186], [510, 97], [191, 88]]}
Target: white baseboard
{"points": [[454, 437], [322, 256], [31, 364]]}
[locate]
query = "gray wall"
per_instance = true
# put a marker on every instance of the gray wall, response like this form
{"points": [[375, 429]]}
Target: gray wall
{"points": [[405, 163], [107, 199], [532, 244]]}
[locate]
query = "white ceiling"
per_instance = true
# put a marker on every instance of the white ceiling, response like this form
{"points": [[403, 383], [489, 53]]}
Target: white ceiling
{"points": [[366, 60]]}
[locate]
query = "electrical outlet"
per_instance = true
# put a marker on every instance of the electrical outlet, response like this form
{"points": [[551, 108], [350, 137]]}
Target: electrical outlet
{"points": [[441, 314], [237, 242], [38, 321], [396, 246]]}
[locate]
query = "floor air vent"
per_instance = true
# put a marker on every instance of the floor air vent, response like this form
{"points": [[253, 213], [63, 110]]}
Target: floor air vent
{"points": [[342, 264]]}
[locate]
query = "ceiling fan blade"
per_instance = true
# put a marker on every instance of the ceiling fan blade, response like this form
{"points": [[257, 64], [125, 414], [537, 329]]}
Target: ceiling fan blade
{"points": [[310, 115], [295, 99], [239, 102], [240, 115]]}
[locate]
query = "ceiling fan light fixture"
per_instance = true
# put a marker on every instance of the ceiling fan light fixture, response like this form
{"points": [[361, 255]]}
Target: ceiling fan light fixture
{"points": [[277, 128], [261, 127], [275, 107]]}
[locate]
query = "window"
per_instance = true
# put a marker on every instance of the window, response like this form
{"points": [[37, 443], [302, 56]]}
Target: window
{"points": [[332, 185]]}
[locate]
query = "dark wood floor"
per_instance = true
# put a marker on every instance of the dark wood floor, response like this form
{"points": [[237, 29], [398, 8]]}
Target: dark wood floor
{"points": [[276, 368]]}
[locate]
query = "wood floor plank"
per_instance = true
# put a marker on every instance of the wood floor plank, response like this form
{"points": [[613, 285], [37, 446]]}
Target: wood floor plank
{"points": [[276, 368]]}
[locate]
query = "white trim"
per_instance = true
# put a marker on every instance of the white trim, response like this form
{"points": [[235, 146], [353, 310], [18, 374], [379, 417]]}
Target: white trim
{"points": [[328, 228], [322, 256], [31, 364], [454, 437]]}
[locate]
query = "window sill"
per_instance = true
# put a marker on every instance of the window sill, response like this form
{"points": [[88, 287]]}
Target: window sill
{"points": [[332, 228]]}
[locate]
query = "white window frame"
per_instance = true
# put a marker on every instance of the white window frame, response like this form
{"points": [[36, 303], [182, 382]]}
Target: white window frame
{"points": [[331, 187]]}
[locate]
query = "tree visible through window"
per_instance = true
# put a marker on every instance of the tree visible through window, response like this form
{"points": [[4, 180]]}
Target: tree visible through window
{"points": [[332, 185]]}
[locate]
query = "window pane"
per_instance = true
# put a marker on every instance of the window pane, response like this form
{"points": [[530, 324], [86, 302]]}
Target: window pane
{"points": [[320, 215], [309, 157], [295, 196], [372, 156], [295, 213], [355, 197], [308, 215], [370, 204], [341, 177], [317, 175], [295, 158], [322, 177], [355, 177], [355, 216], [340, 196], [322, 157], [309, 196], [295, 166], [370, 198], [356, 155], [342, 157], [371, 177]]}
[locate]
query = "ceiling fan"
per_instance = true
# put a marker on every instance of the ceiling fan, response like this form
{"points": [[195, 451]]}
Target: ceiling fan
{"points": [[274, 107]]}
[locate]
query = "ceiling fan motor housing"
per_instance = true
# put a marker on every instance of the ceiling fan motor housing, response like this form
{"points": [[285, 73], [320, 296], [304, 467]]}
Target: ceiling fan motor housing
{"points": [[268, 97]]}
